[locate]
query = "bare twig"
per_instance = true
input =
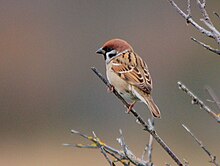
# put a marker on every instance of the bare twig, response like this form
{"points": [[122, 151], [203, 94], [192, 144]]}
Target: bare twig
{"points": [[203, 11], [206, 46], [106, 156], [188, 8], [140, 120], [149, 147], [150, 144], [186, 163], [125, 156], [197, 101], [212, 157], [189, 19], [213, 96], [130, 156], [145, 151], [215, 13], [212, 32], [102, 150]]}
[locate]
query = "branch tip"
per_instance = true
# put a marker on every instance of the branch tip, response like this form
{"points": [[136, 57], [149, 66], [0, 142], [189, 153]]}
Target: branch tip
{"points": [[66, 144], [74, 131], [185, 128], [195, 100], [212, 157]]}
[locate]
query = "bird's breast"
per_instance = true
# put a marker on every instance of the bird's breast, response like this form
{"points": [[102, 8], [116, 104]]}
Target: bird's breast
{"points": [[120, 85]]}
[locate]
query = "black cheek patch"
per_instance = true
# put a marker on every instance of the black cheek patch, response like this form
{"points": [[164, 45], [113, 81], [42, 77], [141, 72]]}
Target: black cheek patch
{"points": [[111, 55]]}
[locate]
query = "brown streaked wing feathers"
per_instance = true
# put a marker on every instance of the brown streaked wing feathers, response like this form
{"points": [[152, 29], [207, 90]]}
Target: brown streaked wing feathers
{"points": [[130, 67]]}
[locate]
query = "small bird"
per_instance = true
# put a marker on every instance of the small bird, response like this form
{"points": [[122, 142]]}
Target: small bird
{"points": [[128, 74]]}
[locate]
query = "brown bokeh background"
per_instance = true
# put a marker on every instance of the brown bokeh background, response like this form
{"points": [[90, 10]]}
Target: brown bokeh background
{"points": [[47, 87]]}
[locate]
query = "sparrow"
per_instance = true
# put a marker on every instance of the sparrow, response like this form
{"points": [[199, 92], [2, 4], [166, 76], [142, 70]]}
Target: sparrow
{"points": [[128, 74]]}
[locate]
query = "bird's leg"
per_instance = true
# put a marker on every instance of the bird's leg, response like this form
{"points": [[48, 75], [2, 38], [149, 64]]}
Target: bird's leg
{"points": [[110, 89], [131, 107]]}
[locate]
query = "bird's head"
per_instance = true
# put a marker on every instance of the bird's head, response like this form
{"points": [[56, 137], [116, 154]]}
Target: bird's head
{"points": [[112, 48]]}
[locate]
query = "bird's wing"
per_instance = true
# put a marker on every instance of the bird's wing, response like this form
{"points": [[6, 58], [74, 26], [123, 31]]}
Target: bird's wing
{"points": [[130, 67]]}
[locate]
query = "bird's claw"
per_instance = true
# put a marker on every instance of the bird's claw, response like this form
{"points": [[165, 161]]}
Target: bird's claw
{"points": [[110, 89], [130, 107]]}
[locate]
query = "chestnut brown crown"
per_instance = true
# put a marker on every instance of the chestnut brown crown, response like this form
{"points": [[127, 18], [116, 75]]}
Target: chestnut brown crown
{"points": [[113, 47], [118, 45]]}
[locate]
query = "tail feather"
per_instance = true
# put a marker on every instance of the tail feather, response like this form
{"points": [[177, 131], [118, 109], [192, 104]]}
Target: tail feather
{"points": [[148, 100], [152, 106]]}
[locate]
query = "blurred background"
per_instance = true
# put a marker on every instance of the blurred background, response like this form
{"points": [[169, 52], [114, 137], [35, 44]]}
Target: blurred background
{"points": [[47, 87]]}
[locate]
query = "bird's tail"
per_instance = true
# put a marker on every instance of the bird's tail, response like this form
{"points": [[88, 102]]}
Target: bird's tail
{"points": [[152, 106]]}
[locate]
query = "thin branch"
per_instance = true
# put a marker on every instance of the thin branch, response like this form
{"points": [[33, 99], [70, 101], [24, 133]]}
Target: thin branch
{"points": [[125, 156], [150, 144], [197, 101], [203, 11], [149, 147], [144, 152], [186, 163], [213, 96], [188, 8], [117, 158], [212, 157], [206, 46], [130, 156], [189, 19], [106, 156], [140, 120], [102, 150], [215, 13], [212, 32]]}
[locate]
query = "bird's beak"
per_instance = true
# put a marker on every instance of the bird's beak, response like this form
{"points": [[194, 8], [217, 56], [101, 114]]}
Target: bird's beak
{"points": [[100, 51]]}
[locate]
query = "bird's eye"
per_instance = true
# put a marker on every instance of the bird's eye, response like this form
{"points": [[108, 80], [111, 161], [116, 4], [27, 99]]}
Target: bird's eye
{"points": [[109, 49]]}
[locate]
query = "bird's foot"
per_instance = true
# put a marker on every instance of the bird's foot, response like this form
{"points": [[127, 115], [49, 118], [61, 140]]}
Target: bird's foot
{"points": [[110, 89], [130, 107]]}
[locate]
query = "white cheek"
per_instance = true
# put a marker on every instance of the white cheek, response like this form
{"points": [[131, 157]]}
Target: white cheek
{"points": [[109, 56]]}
